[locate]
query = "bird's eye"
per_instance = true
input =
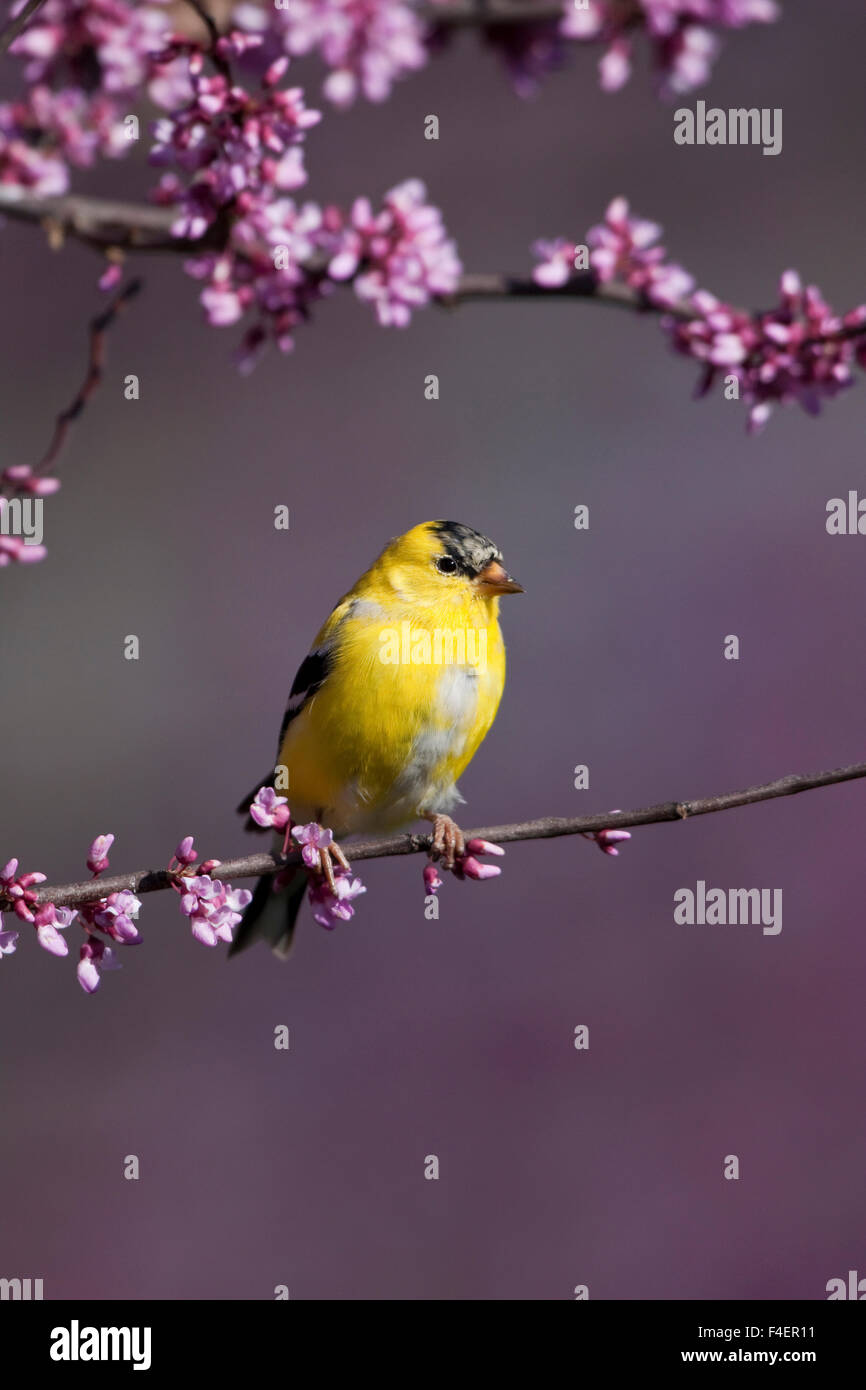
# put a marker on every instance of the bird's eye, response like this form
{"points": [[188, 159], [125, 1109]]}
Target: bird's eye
{"points": [[445, 565]]}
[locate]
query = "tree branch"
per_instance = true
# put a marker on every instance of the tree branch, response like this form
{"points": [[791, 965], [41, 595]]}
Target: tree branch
{"points": [[551, 827], [14, 28], [99, 222], [106, 225]]}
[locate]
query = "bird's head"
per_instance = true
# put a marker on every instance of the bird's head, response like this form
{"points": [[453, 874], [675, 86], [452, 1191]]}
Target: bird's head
{"points": [[444, 562]]}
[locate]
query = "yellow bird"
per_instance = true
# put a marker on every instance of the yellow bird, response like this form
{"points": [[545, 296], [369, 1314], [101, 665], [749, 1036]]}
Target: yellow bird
{"points": [[389, 707]]}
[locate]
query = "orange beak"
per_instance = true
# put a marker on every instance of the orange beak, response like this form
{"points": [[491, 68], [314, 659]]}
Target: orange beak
{"points": [[494, 580]]}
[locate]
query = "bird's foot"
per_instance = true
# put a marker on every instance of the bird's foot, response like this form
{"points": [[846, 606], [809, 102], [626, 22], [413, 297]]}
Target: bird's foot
{"points": [[449, 849], [448, 843], [328, 855], [320, 851]]}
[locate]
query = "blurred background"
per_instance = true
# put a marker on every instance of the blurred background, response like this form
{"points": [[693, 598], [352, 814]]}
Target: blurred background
{"points": [[455, 1038]]}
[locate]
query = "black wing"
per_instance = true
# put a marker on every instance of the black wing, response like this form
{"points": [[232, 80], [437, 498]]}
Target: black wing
{"points": [[312, 673]]}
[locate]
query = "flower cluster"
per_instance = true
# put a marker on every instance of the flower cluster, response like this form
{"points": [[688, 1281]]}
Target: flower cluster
{"points": [[18, 892], [237, 147], [801, 351], [280, 258], [682, 35], [213, 908], [622, 248], [366, 44], [84, 62], [333, 905], [20, 490], [232, 159], [114, 916], [400, 257]]}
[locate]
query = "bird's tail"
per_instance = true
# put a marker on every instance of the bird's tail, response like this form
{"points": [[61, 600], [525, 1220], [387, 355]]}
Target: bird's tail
{"points": [[271, 916]]}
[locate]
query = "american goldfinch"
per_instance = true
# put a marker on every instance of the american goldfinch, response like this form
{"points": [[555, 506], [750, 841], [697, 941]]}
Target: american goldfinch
{"points": [[399, 689]]}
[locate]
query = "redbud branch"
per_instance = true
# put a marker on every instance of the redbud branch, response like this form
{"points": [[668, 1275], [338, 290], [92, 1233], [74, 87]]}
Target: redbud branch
{"points": [[550, 827], [582, 284], [100, 222], [14, 28], [107, 225]]}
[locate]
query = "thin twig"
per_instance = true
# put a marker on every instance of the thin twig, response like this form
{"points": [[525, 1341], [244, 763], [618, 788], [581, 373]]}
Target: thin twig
{"points": [[213, 32], [14, 28], [99, 327], [551, 827]]}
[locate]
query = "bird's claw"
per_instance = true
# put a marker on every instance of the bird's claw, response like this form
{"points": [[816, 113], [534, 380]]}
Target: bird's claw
{"points": [[448, 842], [326, 863]]}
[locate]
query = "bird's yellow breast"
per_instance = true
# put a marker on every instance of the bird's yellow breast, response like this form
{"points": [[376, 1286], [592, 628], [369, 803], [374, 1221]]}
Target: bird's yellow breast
{"points": [[408, 698]]}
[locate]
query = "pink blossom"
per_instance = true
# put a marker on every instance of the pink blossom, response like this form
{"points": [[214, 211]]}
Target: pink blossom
{"points": [[312, 838], [50, 921], [66, 42], [329, 907], [185, 854], [406, 254], [110, 277], [117, 915], [214, 908], [13, 548], [84, 62], [469, 866], [19, 891], [94, 956], [366, 44], [614, 69], [682, 35], [607, 840], [557, 262], [21, 477], [432, 881], [801, 351], [97, 857], [624, 248], [8, 940], [267, 809]]}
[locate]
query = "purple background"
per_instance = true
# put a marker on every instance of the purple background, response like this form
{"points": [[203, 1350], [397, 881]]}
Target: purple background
{"points": [[454, 1037]]}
